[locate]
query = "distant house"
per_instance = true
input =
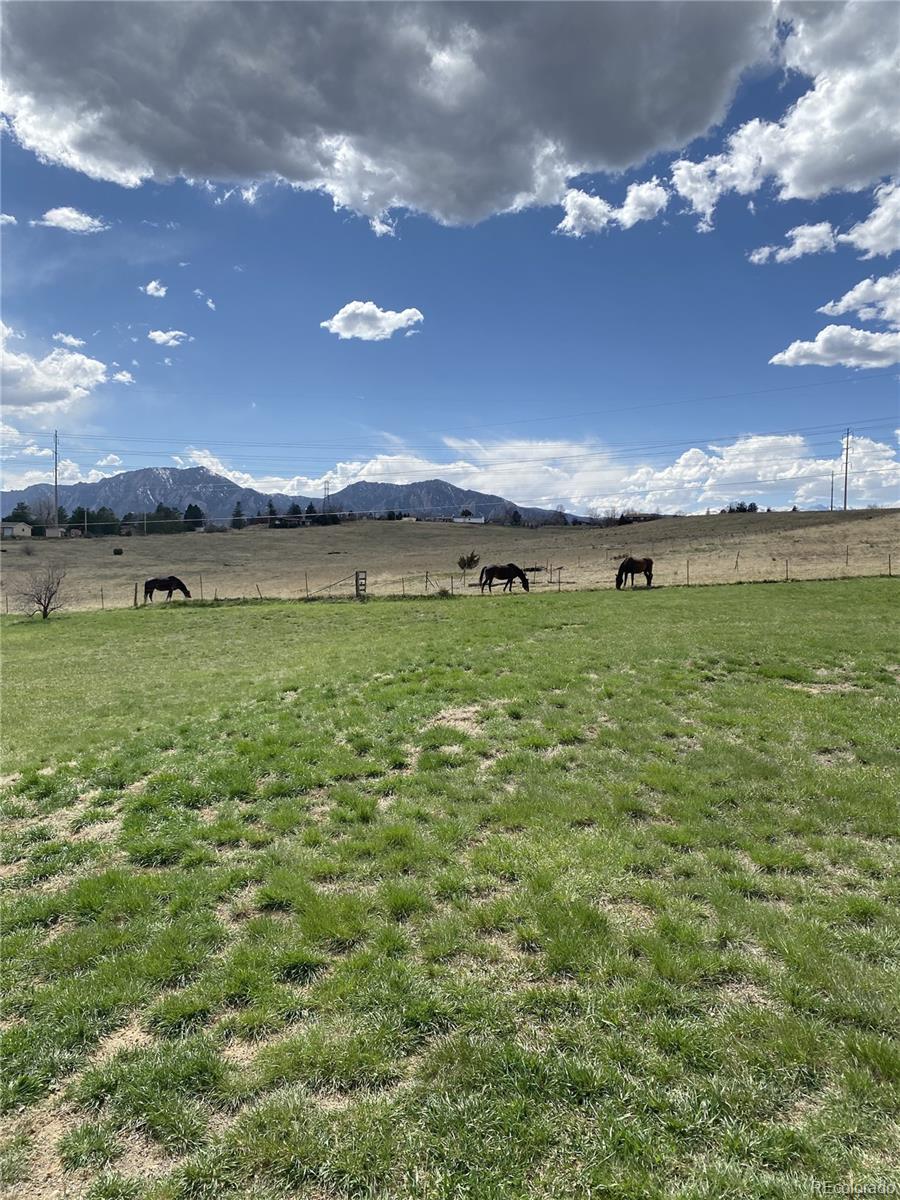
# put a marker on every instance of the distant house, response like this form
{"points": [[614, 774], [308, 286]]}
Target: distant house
{"points": [[468, 520], [15, 529], [55, 531]]}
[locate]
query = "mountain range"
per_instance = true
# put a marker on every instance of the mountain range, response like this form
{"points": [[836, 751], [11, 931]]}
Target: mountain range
{"points": [[142, 490]]}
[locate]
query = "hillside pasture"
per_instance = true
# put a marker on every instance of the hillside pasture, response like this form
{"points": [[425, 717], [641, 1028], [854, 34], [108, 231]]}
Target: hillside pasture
{"points": [[732, 548], [562, 895]]}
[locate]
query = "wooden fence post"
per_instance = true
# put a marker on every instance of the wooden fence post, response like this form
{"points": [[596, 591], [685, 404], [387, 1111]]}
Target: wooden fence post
{"points": [[451, 585], [102, 605], [688, 572], [889, 570], [306, 579], [786, 561], [201, 587], [847, 558], [403, 584], [426, 581], [135, 595], [258, 592]]}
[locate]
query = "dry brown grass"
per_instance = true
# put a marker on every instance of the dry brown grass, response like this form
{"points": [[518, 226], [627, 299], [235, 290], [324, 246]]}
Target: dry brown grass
{"points": [[728, 548]]}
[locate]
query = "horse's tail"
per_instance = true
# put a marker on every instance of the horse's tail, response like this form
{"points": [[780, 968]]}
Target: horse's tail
{"points": [[482, 576], [620, 574]]}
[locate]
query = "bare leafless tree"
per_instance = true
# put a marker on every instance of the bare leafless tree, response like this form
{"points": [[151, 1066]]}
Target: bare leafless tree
{"points": [[44, 512], [41, 592]]}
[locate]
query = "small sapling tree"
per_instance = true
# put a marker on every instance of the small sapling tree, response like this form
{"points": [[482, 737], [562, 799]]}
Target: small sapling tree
{"points": [[41, 593]]}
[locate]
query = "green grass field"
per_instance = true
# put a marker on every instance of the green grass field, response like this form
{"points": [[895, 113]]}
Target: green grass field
{"points": [[585, 895]]}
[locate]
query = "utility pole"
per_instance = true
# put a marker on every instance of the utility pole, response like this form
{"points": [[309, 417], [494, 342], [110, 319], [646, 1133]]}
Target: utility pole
{"points": [[326, 497], [55, 477], [831, 505], [846, 465]]}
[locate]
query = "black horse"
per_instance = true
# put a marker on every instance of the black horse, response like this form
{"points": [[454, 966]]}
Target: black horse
{"points": [[632, 567], [170, 584], [510, 573]]}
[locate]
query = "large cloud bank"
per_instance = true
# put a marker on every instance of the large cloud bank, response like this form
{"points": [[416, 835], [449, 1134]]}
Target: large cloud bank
{"points": [[458, 111]]}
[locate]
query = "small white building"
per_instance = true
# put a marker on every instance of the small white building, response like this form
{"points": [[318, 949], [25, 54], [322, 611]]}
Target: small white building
{"points": [[468, 520], [55, 531], [15, 529]]}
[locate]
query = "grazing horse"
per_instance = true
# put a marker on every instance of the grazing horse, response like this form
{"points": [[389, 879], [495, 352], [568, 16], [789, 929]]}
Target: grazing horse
{"points": [[510, 573], [632, 567], [170, 584]]}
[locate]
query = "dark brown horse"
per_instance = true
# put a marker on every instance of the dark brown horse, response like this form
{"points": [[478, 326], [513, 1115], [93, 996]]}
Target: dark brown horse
{"points": [[510, 573], [632, 567], [170, 584]]}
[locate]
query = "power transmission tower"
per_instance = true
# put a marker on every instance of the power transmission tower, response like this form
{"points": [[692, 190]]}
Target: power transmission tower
{"points": [[55, 477], [846, 466]]}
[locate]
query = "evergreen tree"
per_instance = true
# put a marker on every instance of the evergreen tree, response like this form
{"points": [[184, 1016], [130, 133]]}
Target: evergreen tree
{"points": [[237, 517], [310, 509], [193, 517], [20, 513], [80, 519], [294, 510], [103, 523]]}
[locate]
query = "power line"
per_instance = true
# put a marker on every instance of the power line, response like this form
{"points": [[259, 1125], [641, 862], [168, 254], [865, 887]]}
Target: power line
{"points": [[854, 379], [697, 486], [622, 449]]}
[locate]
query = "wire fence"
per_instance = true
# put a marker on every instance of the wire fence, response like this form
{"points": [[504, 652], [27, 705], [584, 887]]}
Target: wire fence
{"points": [[595, 572]]}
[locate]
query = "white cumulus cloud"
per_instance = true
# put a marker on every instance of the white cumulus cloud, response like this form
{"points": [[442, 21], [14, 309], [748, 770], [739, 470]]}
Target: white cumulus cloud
{"points": [[34, 451], [40, 387], [591, 214], [8, 219], [110, 460], [123, 377], [68, 339], [363, 319], [802, 240], [167, 337], [154, 288], [879, 233], [71, 220], [842, 345], [871, 300], [841, 135]]}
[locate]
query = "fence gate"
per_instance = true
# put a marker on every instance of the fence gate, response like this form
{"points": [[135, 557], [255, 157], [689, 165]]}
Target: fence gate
{"points": [[360, 585]]}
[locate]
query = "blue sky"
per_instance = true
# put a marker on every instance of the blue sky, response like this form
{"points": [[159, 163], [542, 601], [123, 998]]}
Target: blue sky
{"points": [[554, 334]]}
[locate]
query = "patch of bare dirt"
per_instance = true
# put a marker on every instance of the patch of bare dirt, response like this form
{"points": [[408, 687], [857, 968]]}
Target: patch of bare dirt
{"points": [[818, 689], [8, 780], [629, 913], [743, 993], [44, 1125], [143, 1159], [127, 1037], [835, 757], [464, 718]]}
